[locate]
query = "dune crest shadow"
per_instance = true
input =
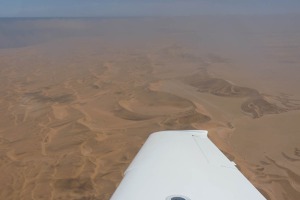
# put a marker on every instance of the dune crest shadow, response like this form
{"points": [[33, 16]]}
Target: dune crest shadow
{"points": [[256, 104]]}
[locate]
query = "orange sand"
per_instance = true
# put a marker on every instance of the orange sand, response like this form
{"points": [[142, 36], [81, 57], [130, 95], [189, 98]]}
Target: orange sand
{"points": [[74, 113]]}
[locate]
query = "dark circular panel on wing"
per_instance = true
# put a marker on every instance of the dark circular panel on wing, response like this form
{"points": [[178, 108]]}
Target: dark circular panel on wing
{"points": [[177, 197]]}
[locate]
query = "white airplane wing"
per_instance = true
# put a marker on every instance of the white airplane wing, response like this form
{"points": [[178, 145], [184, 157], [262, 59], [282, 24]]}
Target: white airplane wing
{"points": [[183, 165]]}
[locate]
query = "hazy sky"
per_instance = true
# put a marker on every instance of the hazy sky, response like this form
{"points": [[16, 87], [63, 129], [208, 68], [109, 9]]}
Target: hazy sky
{"points": [[78, 8]]}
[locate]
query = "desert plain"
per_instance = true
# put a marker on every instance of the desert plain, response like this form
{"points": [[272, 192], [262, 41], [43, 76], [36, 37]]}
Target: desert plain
{"points": [[80, 96]]}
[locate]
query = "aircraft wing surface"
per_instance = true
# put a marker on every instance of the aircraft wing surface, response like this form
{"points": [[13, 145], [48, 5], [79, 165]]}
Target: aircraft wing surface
{"points": [[183, 165]]}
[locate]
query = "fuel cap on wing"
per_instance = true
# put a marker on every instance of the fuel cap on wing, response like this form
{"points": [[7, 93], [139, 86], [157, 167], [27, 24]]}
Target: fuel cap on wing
{"points": [[177, 197]]}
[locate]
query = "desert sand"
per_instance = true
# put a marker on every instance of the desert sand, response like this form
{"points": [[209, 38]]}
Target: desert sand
{"points": [[76, 108]]}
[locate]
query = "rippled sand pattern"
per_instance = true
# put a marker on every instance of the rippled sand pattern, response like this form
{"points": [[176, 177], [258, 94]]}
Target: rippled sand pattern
{"points": [[70, 133]]}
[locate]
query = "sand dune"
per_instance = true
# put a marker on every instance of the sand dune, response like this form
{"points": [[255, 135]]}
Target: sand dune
{"points": [[257, 104]]}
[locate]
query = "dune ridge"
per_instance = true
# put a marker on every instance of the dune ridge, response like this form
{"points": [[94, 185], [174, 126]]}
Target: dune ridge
{"points": [[256, 104]]}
